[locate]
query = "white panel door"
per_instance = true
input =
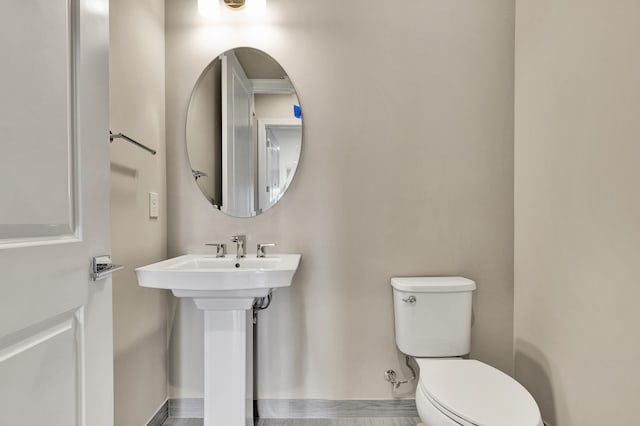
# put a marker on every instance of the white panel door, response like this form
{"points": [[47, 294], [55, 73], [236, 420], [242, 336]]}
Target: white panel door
{"points": [[278, 155], [55, 324], [238, 147]]}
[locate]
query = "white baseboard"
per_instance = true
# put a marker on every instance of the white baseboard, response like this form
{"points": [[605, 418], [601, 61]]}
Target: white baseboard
{"points": [[307, 408]]}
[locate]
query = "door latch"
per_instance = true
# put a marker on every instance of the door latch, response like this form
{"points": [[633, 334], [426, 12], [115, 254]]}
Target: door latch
{"points": [[101, 267]]}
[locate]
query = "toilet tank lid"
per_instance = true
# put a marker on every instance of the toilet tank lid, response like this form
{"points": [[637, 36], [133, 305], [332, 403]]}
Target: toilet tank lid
{"points": [[433, 284]]}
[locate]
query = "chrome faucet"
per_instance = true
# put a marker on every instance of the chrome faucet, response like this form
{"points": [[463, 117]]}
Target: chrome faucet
{"points": [[241, 241]]}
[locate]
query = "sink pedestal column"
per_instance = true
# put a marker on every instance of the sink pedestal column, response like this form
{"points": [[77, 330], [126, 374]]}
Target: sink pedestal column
{"points": [[228, 368]]}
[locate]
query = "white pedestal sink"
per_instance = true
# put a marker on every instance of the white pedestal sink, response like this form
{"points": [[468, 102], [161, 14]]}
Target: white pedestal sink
{"points": [[225, 288]]}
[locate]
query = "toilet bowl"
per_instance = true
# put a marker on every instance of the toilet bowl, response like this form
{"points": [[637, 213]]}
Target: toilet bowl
{"points": [[470, 393], [433, 324]]}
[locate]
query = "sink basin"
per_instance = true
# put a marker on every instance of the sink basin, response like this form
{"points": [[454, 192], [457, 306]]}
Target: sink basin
{"points": [[220, 282], [225, 289]]}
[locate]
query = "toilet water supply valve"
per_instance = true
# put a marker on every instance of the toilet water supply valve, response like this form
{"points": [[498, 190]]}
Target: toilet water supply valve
{"points": [[391, 376]]}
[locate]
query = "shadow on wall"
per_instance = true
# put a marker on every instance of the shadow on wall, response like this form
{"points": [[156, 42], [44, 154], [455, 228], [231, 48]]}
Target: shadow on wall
{"points": [[280, 328], [533, 370], [282, 369], [186, 348], [146, 358], [407, 390]]}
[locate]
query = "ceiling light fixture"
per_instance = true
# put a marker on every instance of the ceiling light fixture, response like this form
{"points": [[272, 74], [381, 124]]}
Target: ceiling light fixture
{"points": [[234, 4], [212, 8]]}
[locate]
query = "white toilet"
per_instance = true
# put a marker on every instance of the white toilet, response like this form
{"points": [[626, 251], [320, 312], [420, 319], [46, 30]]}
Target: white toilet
{"points": [[433, 324]]}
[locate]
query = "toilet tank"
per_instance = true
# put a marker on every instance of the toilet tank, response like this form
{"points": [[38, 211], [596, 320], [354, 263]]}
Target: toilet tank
{"points": [[433, 315]]}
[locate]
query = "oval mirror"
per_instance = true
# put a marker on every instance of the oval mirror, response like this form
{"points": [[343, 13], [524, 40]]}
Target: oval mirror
{"points": [[244, 132]]}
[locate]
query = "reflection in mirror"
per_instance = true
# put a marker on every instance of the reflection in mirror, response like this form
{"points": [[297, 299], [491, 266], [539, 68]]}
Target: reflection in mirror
{"points": [[244, 132]]}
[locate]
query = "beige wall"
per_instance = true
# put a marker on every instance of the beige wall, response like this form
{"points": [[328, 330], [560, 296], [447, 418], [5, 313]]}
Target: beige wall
{"points": [[275, 106], [406, 169], [577, 205], [137, 109]]}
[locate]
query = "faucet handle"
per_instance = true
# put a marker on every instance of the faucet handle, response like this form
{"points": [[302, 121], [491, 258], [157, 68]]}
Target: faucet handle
{"points": [[221, 248], [260, 249]]}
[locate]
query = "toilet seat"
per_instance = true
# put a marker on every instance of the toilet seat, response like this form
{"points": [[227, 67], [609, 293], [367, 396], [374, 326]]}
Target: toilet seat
{"points": [[472, 393]]}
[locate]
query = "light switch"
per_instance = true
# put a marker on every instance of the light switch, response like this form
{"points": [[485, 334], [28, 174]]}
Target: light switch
{"points": [[154, 205]]}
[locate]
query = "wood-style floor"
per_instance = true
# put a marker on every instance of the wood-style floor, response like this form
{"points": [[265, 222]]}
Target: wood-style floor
{"points": [[368, 421]]}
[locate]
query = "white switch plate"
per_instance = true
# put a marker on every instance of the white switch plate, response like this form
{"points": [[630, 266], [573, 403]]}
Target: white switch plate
{"points": [[154, 205]]}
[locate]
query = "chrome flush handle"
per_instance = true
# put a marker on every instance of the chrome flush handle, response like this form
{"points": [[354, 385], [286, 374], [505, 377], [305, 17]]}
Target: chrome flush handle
{"points": [[410, 299]]}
